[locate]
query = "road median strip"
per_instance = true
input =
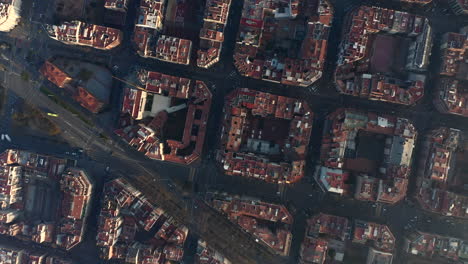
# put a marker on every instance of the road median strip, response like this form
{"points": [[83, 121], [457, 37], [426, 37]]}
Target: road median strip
{"points": [[65, 105]]}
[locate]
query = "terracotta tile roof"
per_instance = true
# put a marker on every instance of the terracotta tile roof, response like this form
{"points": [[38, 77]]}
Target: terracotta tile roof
{"points": [[362, 69], [441, 148], [339, 144], [150, 14], [452, 98], [82, 96], [330, 225], [88, 101], [66, 231], [313, 250], [243, 109], [212, 32], [260, 22], [432, 245], [54, 74], [80, 33], [146, 135], [172, 49], [379, 235], [126, 212], [249, 214]]}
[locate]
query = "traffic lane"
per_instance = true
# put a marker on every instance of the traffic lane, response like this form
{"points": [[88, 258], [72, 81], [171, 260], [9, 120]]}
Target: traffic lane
{"points": [[8, 111], [70, 124]]}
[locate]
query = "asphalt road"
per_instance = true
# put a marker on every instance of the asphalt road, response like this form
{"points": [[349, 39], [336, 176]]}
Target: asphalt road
{"points": [[155, 179]]}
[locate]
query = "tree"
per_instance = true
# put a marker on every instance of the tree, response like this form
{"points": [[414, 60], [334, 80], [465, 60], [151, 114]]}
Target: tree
{"points": [[25, 76]]}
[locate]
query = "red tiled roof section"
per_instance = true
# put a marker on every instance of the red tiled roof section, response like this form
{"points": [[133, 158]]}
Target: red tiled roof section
{"points": [[88, 101], [387, 179], [380, 235], [261, 22], [55, 74], [80, 33], [435, 246], [249, 213], [330, 225], [244, 109], [126, 212], [313, 250], [145, 135], [172, 49], [452, 97], [362, 66]]}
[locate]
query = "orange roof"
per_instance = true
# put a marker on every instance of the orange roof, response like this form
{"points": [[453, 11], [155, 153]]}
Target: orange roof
{"points": [[54, 74], [87, 100]]}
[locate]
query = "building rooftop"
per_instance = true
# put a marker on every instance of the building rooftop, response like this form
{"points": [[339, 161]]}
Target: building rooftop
{"points": [[80, 33], [333, 180], [10, 14], [93, 100], [117, 5], [313, 250], [207, 255], [364, 70], [452, 96], [332, 226], [148, 38], [376, 150], [324, 232], [251, 215], [379, 235], [330, 233], [76, 188], [439, 174], [125, 211], [432, 246], [152, 34], [150, 14], [12, 256], [460, 7], [379, 257], [54, 74], [212, 32], [265, 136], [265, 21], [165, 116], [172, 49], [65, 224]]}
